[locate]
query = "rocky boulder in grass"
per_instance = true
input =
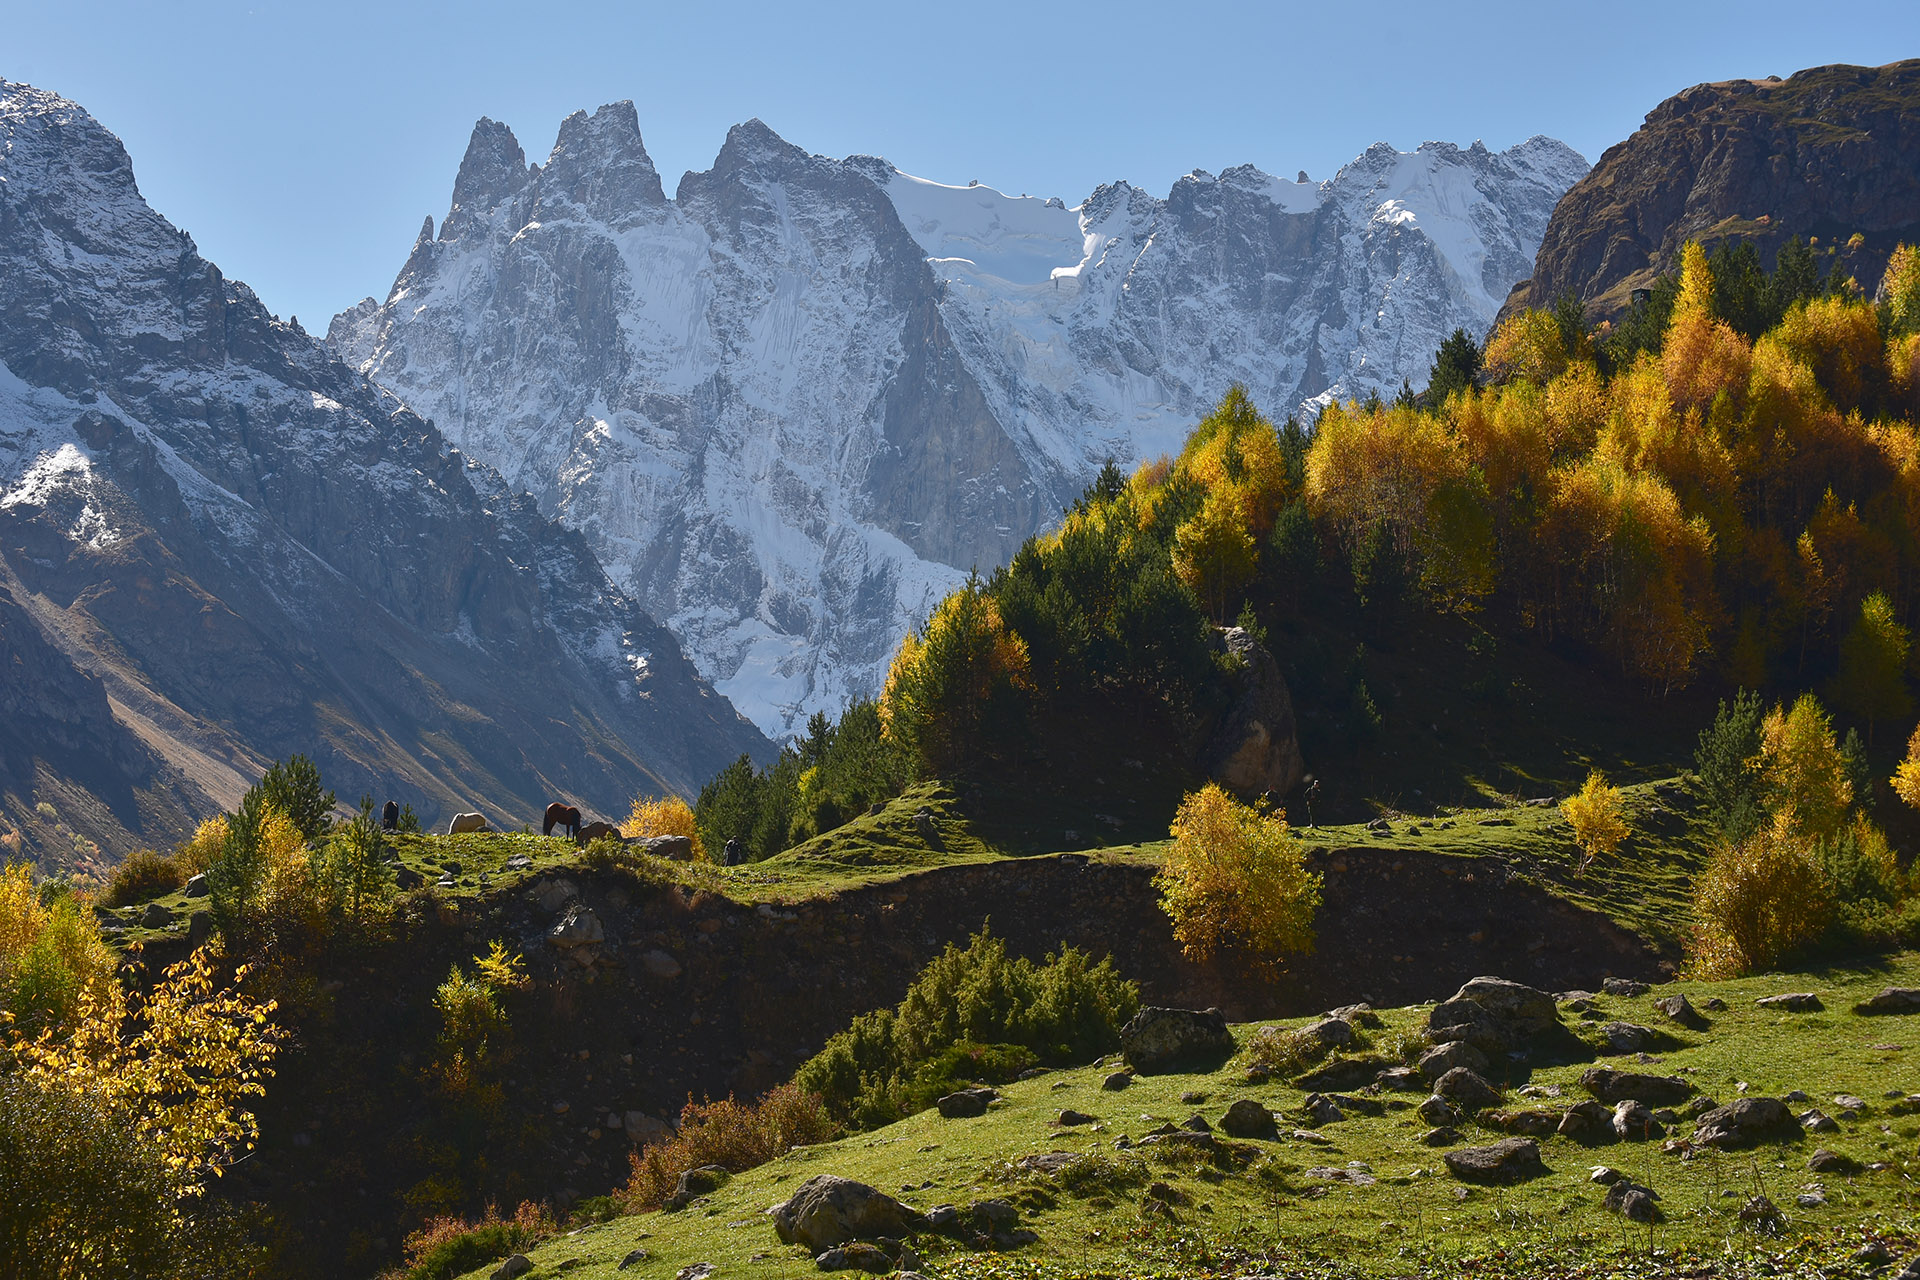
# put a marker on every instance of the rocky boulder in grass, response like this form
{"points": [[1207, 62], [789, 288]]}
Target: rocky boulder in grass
{"points": [[1249, 1119], [965, 1103], [1679, 1009], [828, 1210], [1441, 1059], [1494, 1015], [1159, 1040], [1609, 1085], [1891, 1000], [1466, 1090], [1514, 1160], [1745, 1123], [1792, 1002]]}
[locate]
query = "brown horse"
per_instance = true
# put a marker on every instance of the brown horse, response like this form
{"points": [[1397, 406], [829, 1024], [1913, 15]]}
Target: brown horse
{"points": [[561, 815], [595, 830]]}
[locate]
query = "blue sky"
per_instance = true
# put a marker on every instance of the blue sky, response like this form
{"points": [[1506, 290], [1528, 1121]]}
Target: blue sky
{"points": [[302, 144]]}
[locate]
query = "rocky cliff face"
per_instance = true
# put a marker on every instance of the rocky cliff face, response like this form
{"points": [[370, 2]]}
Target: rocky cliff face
{"points": [[218, 546], [1830, 152], [793, 405]]}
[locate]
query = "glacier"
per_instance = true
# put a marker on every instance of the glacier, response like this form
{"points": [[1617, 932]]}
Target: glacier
{"points": [[797, 402]]}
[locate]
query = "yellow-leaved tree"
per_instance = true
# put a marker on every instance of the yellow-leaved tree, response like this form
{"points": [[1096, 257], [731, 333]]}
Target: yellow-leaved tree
{"points": [[1236, 878], [663, 816], [953, 681], [1594, 813]]}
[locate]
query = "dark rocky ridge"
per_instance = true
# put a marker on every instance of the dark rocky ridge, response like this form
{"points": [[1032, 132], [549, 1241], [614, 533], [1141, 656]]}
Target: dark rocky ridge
{"points": [[219, 546], [1829, 152], [755, 991]]}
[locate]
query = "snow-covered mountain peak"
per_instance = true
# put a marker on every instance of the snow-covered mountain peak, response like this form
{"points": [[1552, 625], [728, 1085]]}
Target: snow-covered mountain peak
{"points": [[796, 403], [493, 168], [600, 164]]}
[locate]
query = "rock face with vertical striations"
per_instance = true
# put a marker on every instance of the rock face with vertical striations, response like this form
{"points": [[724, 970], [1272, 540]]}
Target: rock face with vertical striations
{"points": [[220, 546], [793, 405], [1828, 152]]}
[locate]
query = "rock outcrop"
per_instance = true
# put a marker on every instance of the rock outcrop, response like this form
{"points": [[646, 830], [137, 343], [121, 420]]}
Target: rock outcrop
{"points": [[1830, 152]]}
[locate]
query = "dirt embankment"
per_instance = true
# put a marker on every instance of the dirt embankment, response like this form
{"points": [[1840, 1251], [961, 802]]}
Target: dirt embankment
{"points": [[699, 996]]}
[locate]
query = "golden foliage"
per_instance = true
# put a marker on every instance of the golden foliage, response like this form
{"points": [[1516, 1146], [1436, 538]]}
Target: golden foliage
{"points": [[663, 816], [53, 958], [180, 1063], [1803, 776], [1213, 551], [198, 853], [733, 1135], [1526, 346], [1594, 813], [1235, 877], [947, 678], [1839, 339], [1757, 902], [1906, 778], [1702, 358]]}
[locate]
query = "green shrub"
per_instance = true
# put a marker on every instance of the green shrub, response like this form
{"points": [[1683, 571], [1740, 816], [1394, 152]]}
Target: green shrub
{"points": [[1724, 775], [449, 1247], [144, 876], [970, 1010]]}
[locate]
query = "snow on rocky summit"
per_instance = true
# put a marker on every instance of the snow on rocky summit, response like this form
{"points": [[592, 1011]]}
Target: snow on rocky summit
{"points": [[792, 405]]}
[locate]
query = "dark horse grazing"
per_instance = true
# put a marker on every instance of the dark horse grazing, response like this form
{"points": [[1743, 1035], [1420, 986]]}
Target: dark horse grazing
{"points": [[561, 815], [390, 817]]}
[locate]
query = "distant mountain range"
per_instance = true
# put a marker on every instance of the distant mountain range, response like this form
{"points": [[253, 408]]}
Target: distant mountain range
{"points": [[220, 546], [791, 406]]}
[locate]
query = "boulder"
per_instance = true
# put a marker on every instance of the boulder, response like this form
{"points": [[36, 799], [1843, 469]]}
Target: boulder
{"points": [[1329, 1033], [1117, 1081], [695, 1183], [1628, 987], [1531, 1122], [1437, 1111], [1249, 1119], [1825, 1161], [1441, 1059], [1677, 1008], [1467, 1090], [1159, 1040], [1632, 1122], [1493, 1015], [857, 1256], [1440, 1136], [577, 926], [1745, 1123], [966, 1103], [515, 1266], [1359, 1015], [196, 887], [155, 917], [1070, 1118], [1633, 1202], [1587, 1122], [1318, 1109], [1630, 1037], [551, 895], [1814, 1120], [672, 848], [1512, 1160], [1254, 747], [1610, 1086], [660, 964], [1891, 1000], [828, 1210], [1345, 1073], [1402, 1080], [1792, 1002]]}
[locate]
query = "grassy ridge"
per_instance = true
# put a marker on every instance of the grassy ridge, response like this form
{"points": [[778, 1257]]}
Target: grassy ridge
{"points": [[1412, 1217]]}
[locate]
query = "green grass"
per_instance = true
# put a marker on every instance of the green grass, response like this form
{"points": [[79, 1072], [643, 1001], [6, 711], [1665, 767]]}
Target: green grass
{"points": [[1414, 1218]]}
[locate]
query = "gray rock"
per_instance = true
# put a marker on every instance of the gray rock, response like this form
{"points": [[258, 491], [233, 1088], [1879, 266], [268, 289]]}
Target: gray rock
{"points": [[1318, 1110], [578, 926], [1437, 1111], [672, 848], [1494, 1015], [857, 1256], [1632, 1122], [1677, 1008], [828, 1210], [1792, 1002], [633, 1259], [1745, 1123], [1628, 987], [1604, 1175], [1609, 1085], [1852, 1104], [1358, 1015], [1255, 747], [551, 895], [1159, 1040], [1814, 1120], [1633, 1202], [1441, 1059], [1440, 1136], [1628, 1037], [196, 887], [1891, 1000], [660, 964], [1467, 1090], [1249, 1119], [1512, 1160], [516, 1265], [1588, 1122], [1070, 1118], [966, 1103], [1402, 1079], [1330, 1033], [155, 916], [694, 1183], [199, 927], [1825, 1161], [1117, 1081]]}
